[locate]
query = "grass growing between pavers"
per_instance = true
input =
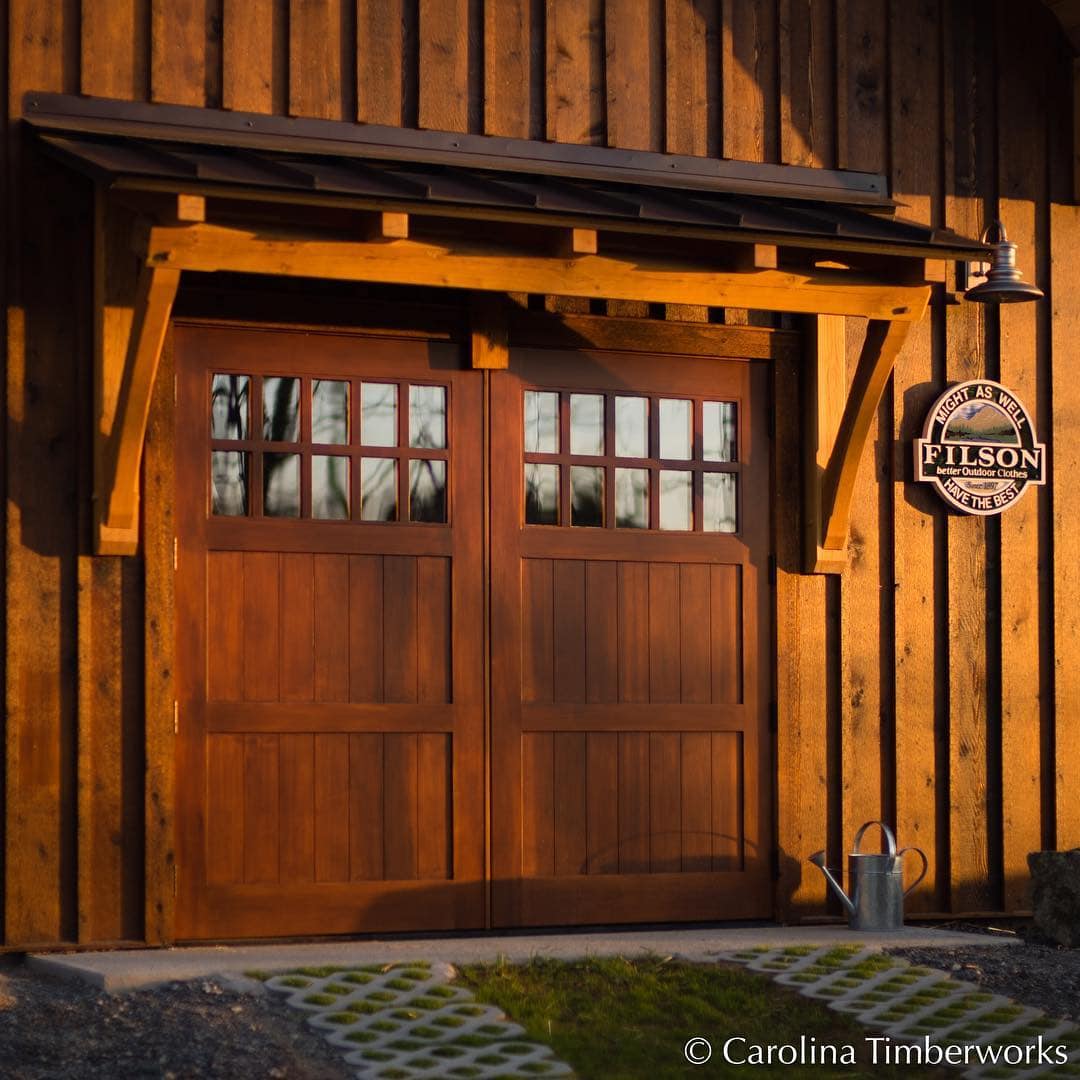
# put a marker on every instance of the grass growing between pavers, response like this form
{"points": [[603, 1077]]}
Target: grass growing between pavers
{"points": [[617, 1018]]}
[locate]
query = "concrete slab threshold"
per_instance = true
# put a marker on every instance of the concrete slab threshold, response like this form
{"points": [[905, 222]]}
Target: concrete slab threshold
{"points": [[139, 968]]}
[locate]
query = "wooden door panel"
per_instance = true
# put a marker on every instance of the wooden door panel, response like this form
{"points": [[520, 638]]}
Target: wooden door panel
{"points": [[331, 672], [630, 714]]}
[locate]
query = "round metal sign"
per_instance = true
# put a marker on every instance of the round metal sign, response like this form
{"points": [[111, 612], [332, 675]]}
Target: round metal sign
{"points": [[979, 448]]}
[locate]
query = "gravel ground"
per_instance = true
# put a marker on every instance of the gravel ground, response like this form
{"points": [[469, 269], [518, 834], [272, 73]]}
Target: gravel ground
{"points": [[66, 1030], [1044, 976]]}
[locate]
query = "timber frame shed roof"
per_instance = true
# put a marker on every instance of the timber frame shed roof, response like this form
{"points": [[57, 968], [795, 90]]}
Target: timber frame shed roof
{"points": [[128, 146]]}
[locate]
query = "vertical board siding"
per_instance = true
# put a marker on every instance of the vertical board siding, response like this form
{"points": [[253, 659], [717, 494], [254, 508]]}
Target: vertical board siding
{"points": [[956, 648]]}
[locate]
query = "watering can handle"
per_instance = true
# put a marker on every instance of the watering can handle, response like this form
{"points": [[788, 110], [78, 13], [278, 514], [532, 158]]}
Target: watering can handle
{"points": [[925, 866], [888, 836]]}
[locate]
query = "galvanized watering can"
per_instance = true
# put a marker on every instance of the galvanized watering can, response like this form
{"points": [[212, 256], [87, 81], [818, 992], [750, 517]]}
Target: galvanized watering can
{"points": [[877, 883]]}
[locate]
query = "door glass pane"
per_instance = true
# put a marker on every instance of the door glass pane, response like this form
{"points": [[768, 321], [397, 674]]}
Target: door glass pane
{"points": [[676, 500], [541, 494], [281, 409], [676, 430], [229, 482], [378, 489], [229, 406], [718, 430], [632, 498], [632, 427], [541, 422], [330, 487], [586, 496], [427, 490], [719, 506], [378, 415], [427, 418], [586, 423], [281, 485], [330, 411]]}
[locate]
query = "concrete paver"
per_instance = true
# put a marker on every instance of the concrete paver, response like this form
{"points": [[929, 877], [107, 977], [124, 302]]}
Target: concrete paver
{"points": [[132, 969]]}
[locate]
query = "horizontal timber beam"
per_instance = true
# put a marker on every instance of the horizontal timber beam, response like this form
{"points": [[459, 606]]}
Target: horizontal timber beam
{"points": [[467, 265]]}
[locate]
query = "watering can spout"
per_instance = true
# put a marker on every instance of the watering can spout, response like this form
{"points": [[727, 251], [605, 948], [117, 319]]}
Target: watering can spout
{"points": [[818, 859]]}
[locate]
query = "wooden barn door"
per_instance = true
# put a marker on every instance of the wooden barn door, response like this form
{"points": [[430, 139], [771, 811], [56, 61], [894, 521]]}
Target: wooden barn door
{"points": [[330, 634], [630, 523]]}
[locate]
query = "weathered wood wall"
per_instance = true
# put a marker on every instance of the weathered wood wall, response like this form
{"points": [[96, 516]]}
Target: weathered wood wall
{"points": [[931, 684]]}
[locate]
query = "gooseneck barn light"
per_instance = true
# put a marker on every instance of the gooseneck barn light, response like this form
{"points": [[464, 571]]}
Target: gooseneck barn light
{"points": [[1004, 283]]}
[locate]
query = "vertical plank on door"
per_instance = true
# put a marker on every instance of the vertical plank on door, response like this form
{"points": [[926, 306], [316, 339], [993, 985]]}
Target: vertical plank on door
{"points": [[665, 802], [537, 622], [225, 809], [400, 823], [262, 656], [633, 795], [695, 633], [725, 595], [571, 803], [601, 779], [331, 807], [696, 792], [297, 641], [399, 628], [366, 795], [366, 621], [633, 629], [569, 630], [225, 625], [537, 804], [255, 61], [727, 800], [261, 824], [601, 633], [333, 600], [297, 778], [664, 641], [434, 798], [434, 649]]}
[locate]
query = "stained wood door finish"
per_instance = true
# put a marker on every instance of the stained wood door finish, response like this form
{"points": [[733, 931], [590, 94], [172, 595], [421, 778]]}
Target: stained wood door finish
{"points": [[629, 672], [330, 749]]}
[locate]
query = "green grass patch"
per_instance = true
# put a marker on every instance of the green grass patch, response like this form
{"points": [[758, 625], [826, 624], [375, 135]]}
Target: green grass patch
{"points": [[295, 980], [320, 999], [357, 978], [320, 972], [612, 1017], [258, 974]]}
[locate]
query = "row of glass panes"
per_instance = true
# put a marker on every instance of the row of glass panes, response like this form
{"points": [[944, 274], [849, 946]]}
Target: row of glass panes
{"points": [[331, 497], [719, 504], [330, 417], [675, 426]]}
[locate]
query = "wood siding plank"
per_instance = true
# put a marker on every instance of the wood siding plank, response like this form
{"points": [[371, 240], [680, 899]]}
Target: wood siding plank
{"points": [[255, 56], [115, 49], [634, 63], [185, 52], [749, 71], [322, 59], [444, 65], [807, 57], [386, 70], [574, 67], [513, 68], [693, 104]]}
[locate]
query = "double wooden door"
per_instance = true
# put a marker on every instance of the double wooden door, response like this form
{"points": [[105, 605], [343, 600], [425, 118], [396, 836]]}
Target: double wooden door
{"points": [[442, 666]]}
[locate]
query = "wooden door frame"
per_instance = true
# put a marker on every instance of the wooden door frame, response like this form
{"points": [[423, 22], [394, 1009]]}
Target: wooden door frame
{"points": [[783, 348]]}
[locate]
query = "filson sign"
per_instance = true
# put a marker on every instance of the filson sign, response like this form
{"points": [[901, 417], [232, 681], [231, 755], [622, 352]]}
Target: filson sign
{"points": [[979, 448]]}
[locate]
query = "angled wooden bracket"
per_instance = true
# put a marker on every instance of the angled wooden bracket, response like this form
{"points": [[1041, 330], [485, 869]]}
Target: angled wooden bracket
{"points": [[838, 422], [132, 305]]}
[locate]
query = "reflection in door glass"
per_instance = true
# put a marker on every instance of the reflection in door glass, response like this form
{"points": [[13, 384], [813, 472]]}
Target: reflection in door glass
{"points": [[281, 485], [632, 498], [427, 417], [378, 414], [378, 489], [541, 494], [586, 496], [229, 407], [632, 427], [676, 500], [586, 423], [541, 422], [719, 507], [281, 409], [330, 411], [229, 483], [329, 487], [718, 430], [676, 430], [427, 490]]}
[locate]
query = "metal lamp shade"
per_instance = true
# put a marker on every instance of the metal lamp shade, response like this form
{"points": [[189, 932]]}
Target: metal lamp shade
{"points": [[1004, 283]]}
